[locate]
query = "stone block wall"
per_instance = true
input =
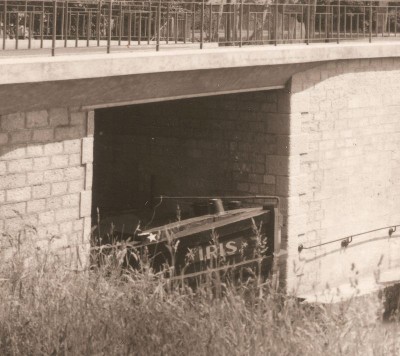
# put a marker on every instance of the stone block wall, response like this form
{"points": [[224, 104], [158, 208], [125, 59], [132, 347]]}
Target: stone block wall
{"points": [[345, 180], [45, 179]]}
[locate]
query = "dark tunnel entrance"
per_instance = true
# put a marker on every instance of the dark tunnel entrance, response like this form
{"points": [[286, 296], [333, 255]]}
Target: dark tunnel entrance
{"points": [[194, 147]]}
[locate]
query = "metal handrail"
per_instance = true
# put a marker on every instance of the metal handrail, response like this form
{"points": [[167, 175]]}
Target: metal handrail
{"points": [[345, 241], [111, 23]]}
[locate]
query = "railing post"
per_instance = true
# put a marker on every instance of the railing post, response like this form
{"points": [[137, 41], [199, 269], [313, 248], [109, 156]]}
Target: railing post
{"points": [[66, 25], [185, 27], [338, 24], [140, 28], [248, 24], [109, 27], [89, 28], [77, 30], [228, 23], [176, 27], [42, 26], [167, 37], [120, 24], [53, 42], [193, 20], [149, 25], [276, 24], [370, 22], [5, 25], [129, 27], [202, 25], [234, 34], [308, 22], [98, 23], [158, 25], [210, 24], [31, 27], [25, 13], [16, 29], [240, 23]]}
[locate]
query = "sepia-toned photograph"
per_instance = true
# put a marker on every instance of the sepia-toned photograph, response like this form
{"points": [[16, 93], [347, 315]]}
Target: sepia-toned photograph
{"points": [[199, 177]]}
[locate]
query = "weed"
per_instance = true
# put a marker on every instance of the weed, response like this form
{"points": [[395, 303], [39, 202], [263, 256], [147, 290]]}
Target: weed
{"points": [[112, 309]]}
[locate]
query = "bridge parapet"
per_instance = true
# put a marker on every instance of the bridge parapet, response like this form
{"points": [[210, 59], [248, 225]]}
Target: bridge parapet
{"points": [[57, 24]]}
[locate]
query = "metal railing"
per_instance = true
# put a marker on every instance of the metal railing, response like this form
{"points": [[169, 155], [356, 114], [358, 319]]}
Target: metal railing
{"points": [[52, 24]]}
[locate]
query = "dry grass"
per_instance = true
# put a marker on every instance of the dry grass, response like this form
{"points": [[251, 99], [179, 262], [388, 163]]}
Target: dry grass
{"points": [[46, 309]]}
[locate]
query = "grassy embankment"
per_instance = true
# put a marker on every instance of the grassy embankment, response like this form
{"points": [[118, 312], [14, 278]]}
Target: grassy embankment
{"points": [[46, 309]]}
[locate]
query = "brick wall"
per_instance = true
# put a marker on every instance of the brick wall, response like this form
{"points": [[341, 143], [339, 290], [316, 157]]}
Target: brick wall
{"points": [[45, 178], [346, 177], [221, 145]]}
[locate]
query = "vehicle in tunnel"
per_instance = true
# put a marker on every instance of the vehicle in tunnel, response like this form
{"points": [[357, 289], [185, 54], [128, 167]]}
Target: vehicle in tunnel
{"points": [[221, 235]]}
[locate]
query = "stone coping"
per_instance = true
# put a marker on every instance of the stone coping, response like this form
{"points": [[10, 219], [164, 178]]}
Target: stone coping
{"points": [[26, 69]]}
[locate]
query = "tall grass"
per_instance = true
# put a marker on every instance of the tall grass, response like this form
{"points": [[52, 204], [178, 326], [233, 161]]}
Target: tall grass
{"points": [[47, 309]]}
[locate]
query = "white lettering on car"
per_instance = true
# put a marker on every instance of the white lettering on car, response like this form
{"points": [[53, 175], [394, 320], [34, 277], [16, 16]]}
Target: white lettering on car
{"points": [[211, 251], [231, 248]]}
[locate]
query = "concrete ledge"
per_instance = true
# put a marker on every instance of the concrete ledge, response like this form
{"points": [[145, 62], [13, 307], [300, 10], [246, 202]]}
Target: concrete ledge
{"points": [[42, 69]]}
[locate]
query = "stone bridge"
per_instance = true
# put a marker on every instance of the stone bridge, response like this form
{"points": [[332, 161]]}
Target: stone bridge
{"points": [[318, 126]]}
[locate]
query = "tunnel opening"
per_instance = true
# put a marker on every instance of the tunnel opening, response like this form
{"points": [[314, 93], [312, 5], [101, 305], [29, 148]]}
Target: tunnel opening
{"points": [[217, 146], [210, 146]]}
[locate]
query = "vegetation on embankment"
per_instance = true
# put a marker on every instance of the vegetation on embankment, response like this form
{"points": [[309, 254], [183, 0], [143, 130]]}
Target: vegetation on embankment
{"points": [[46, 309]]}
